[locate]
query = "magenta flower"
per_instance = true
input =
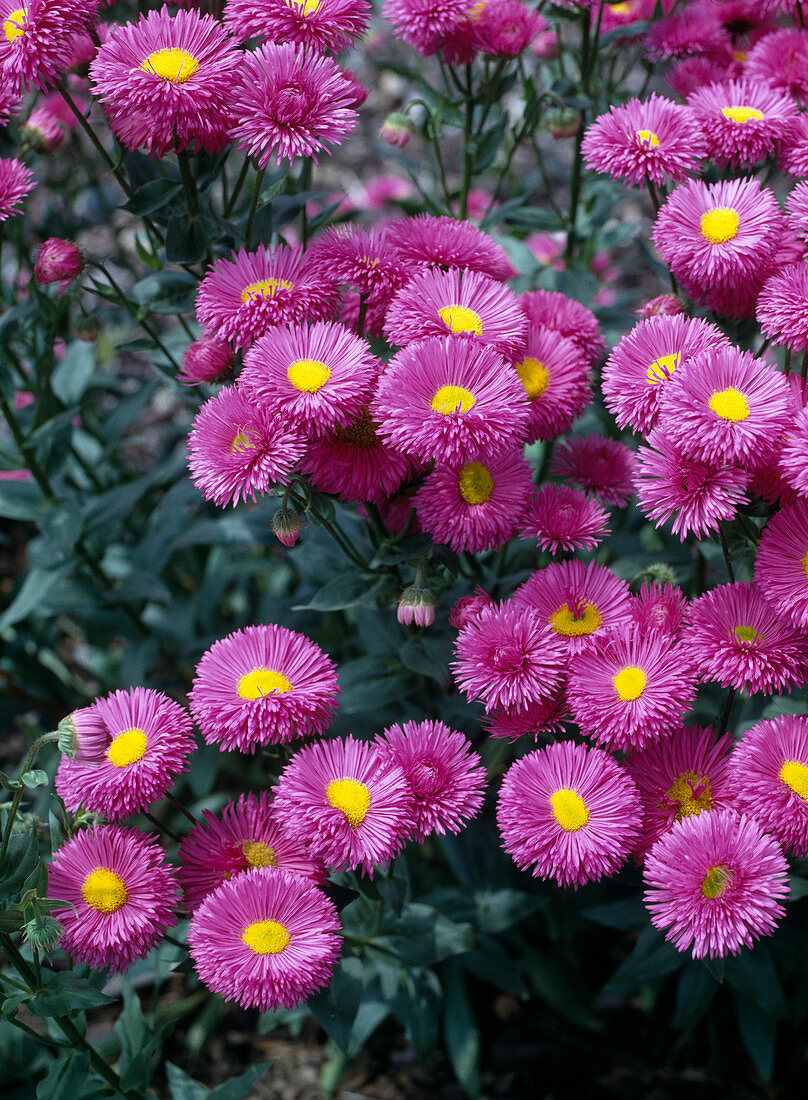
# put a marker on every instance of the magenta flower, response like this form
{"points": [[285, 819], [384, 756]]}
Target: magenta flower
{"points": [[362, 258], [659, 607], [42, 130], [16, 182], [684, 33], [208, 359], [681, 775], [290, 103], [130, 746], [555, 375], [243, 836], [475, 505], [564, 315], [780, 59], [715, 883], [601, 466], [547, 719], [121, 894], [450, 398], [354, 463], [318, 377], [347, 803], [508, 657], [265, 941], [791, 460], [57, 261], [446, 778], [36, 46], [237, 450], [782, 307], [568, 813], [323, 25], [457, 302], [263, 685], [743, 121], [562, 518], [426, 241], [655, 138], [425, 24], [797, 209]]}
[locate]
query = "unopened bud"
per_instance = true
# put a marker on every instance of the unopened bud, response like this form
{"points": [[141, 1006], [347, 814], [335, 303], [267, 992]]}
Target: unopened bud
{"points": [[397, 130], [43, 131], [545, 45], [666, 305], [208, 359], [42, 932], [468, 608], [286, 525], [57, 261], [86, 327], [416, 605], [563, 123]]}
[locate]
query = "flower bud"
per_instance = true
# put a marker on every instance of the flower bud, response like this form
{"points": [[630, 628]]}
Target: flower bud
{"points": [[396, 130], [563, 123], [468, 608], [68, 738], [416, 605], [545, 45], [666, 305], [43, 131], [286, 525], [86, 327], [57, 262], [42, 932], [208, 359]]}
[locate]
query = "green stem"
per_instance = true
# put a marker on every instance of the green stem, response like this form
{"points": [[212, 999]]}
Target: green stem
{"points": [[725, 550], [91, 134], [727, 709], [163, 828], [468, 130], [175, 802], [188, 181], [259, 179], [147, 328], [305, 184], [231, 202], [37, 472]]}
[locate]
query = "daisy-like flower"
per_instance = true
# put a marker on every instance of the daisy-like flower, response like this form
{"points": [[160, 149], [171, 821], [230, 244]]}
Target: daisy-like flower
{"points": [[475, 505], [265, 941], [208, 359], [555, 375], [639, 367], [576, 600], [291, 103], [537, 720], [509, 657], [655, 138], [692, 73], [450, 399], [733, 636], [236, 449], [263, 685], [427, 241], [782, 307], [793, 158], [242, 298], [324, 25], [121, 894], [724, 405], [362, 258], [463, 303], [564, 315], [659, 607], [780, 60], [129, 748], [694, 494], [791, 458], [16, 182], [467, 608], [715, 883], [780, 565], [568, 813], [685, 33], [507, 27], [719, 241], [166, 82], [680, 776], [601, 466], [797, 209], [562, 518], [36, 46], [425, 24], [743, 121], [626, 690], [446, 778], [319, 377], [242, 837], [768, 770], [354, 463], [347, 803]]}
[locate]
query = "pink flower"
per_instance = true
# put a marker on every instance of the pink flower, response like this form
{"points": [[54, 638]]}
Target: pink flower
{"points": [[426, 241], [416, 606], [362, 258], [715, 882], [324, 25], [425, 24], [780, 564], [782, 307], [43, 130], [743, 121], [564, 315], [347, 803], [562, 518], [445, 777], [684, 33], [600, 465], [354, 463], [507, 27], [568, 813], [547, 719], [208, 359], [780, 59], [263, 685], [121, 894], [467, 608], [555, 375], [57, 261], [36, 45], [16, 182], [265, 941], [659, 607]]}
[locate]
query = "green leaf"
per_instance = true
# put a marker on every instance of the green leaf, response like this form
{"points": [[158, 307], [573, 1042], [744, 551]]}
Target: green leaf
{"points": [[349, 590], [491, 962], [65, 1078], [138, 1046], [759, 1034], [650, 959], [152, 196], [694, 994], [35, 778], [31, 594], [422, 936], [418, 1007], [488, 145], [182, 1086], [752, 974], [335, 1007], [237, 1087], [555, 986], [187, 239], [501, 909], [74, 373], [20, 500], [165, 292], [460, 1030], [22, 857], [66, 992], [629, 913]]}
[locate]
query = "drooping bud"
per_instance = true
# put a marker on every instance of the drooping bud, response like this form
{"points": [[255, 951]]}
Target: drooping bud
{"points": [[286, 525], [563, 123], [397, 129], [666, 305], [42, 932], [416, 605], [468, 608], [208, 359], [57, 261]]}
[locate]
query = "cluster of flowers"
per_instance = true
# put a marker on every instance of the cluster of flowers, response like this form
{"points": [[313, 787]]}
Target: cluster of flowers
{"points": [[263, 931]]}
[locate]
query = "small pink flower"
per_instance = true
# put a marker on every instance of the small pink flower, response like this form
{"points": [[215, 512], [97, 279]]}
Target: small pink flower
{"points": [[57, 261]]}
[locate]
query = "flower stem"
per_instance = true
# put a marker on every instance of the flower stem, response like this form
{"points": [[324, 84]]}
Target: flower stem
{"points": [[259, 179], [188, 181], [45, 739]]}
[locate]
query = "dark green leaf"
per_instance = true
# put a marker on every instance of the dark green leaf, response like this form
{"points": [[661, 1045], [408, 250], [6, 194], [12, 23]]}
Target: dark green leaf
{"points": [[182, 1086], [650, 959], [335, 1008], [491, 962], [237, 1087], [31, 594], [422, 936], [752, 974], [35, 778], [459, 1029], [759, 1034], [65, 992], [501, 909], [21, 500], [417, 1006], [165, 292], [694, 994], [153, 196], [138, 1046], [73, 374], [629, 913], [187, 239], [22, 857], [65, 1078]]}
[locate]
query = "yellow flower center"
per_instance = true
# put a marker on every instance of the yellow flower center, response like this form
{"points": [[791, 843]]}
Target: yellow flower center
{"points": [[262, 681], [748, 635], [805, 564], [720, 225], [661, 369], [795, 776], [258, 854], [629, 683], [625, 7], [730, 404], [242, 441], [461, 319], [569, 809], [476, 484], [305, 7], [453, 399], [308, 375], [693, 794], [127, 748], [172, 63], [715, 882], [741, 114], [351, 797], [266, 937], [649, 138], [14, 24], [534, 376], [264, 288], [564, 622], [104, 890]]}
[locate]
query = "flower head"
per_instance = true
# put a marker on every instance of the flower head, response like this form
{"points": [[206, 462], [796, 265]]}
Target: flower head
{"points": [[323, 25], [57, 261], [562, 518], [16, 182], [564, 315], [782, 307], [354, 463], [208, 359], [780, 60], [659, 607], [601, 466], [362, 258], [743, 121], [555, 375], [36, 43], [427, 241]]}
